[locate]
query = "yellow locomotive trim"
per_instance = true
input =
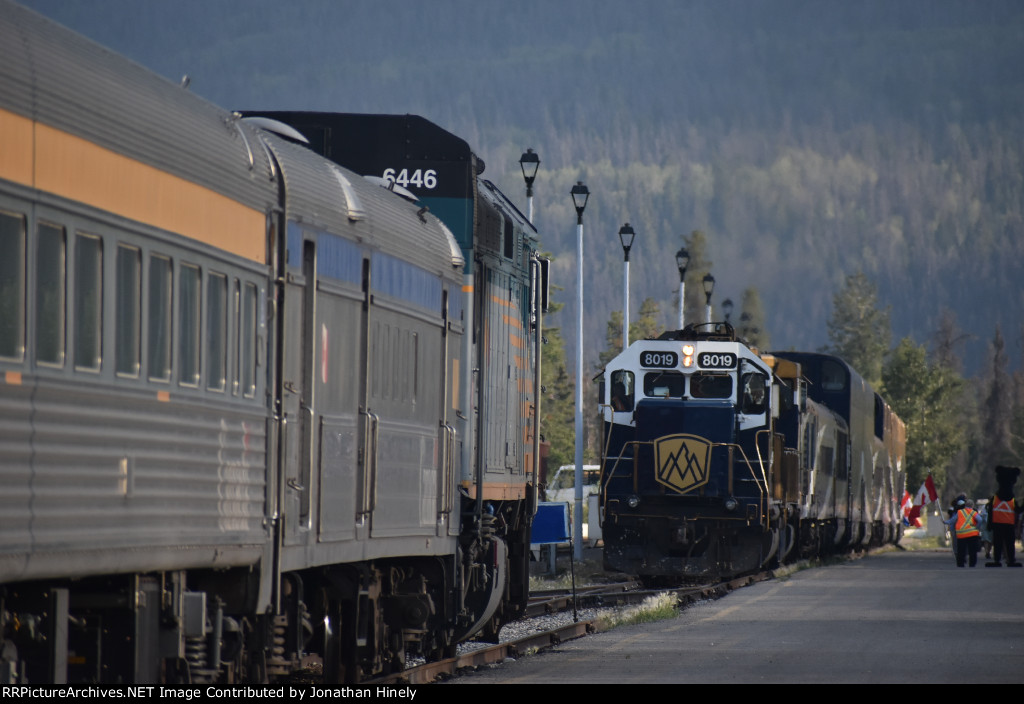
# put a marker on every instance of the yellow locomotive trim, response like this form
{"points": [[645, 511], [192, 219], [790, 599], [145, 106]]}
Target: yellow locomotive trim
{"points": [[51, 160], [512, 321], [497, 492]]}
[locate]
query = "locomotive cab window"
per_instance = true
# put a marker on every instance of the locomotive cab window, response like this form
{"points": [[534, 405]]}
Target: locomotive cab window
{"points": [[705, 385], [622, 390], [755, 395], [833, 376], [666, 384]]}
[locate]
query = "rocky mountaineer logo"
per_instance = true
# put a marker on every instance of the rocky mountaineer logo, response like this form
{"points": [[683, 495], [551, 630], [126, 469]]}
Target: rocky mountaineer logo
{"points": [[682, 461]]}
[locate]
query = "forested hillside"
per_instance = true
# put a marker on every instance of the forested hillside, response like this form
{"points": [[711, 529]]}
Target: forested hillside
{"points": [[808, 140]]}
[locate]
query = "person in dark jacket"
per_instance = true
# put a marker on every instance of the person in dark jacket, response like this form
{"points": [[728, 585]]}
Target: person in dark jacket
{"points": [[1002, 515]]}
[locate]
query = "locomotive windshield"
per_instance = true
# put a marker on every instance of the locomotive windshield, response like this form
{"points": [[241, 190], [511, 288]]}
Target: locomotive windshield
{"points": [[672, 384], [666, 384], [704, 385]]}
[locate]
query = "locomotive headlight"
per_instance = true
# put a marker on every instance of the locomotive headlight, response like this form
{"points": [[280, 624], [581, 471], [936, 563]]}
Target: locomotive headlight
{"points": [[633, 501], [687, 355], [731, 504]]}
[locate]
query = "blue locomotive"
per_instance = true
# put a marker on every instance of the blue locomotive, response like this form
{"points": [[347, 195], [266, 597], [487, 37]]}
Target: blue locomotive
{"points": [[258, 414], [719, 460]]}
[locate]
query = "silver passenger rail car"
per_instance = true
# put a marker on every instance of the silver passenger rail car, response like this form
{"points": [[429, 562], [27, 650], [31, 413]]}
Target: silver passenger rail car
{"points": [[233, 394]]}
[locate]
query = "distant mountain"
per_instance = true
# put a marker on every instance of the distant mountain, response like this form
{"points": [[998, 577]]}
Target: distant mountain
{"points": [[808, 139]]}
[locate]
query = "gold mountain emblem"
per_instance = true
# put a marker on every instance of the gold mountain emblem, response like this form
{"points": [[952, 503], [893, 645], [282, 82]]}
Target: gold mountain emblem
{"points": [[682, 461]]}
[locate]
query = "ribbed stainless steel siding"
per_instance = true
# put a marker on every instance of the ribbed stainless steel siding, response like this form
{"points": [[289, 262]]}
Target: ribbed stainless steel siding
{"points": [[95, 481], [391, 225], [60, 78]]}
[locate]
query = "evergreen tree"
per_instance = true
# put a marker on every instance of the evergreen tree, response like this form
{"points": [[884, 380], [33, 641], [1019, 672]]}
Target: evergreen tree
{"points": [[925, 396], [558, 400], [753, 327], [997, 408], [1017, 424], [945, 340], [963, 471], [858, 330], [613, 339], [648, 323]]}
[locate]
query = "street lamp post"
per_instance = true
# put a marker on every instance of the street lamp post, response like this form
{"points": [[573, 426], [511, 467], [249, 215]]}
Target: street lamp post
{"points": [[626, 237], [682, 260], [709, 286], [727, 308], [529, 163], [580, 196]]}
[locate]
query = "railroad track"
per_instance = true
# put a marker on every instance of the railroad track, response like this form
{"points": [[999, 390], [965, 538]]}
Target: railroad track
{"points": [[548, 602]]}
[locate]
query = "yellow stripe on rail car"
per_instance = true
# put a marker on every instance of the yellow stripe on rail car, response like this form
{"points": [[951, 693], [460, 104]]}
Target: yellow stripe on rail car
{"points": [[40, 156], [16, 155]]}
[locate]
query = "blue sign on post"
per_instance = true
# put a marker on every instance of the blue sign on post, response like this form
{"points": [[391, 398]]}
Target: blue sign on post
{"points": [[551, 524]]}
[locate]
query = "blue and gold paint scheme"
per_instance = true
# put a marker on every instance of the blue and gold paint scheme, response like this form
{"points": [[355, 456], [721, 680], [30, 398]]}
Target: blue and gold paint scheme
{"points": [[682, 461], [720, 461]]}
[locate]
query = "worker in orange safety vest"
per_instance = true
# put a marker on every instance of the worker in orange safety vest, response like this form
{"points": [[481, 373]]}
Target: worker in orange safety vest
{"points": [[968, 537]]}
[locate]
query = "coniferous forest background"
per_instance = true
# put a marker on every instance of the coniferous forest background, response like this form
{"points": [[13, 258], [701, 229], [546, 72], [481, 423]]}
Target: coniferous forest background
{"points": [[807, 140]]}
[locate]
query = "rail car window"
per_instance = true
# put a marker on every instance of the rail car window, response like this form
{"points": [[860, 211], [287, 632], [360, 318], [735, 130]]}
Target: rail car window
{"points": [[704, 385], [188, 330], [622, 390], [216, 331], [247, 341], [12, 286], [88, 302], [160, 289], [667, 384], [128, 311], [50, 294]]}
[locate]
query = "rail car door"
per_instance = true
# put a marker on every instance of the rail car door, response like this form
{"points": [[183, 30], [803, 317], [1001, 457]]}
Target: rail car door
{"points": [[340, 382], [297, 393], [404, 408]]}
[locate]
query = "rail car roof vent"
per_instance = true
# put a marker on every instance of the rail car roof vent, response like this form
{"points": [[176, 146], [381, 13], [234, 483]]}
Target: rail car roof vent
{"points": [[277, 127], [352, 202], [393, 187]]}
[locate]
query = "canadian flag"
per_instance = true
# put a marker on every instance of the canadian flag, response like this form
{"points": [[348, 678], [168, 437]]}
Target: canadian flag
{"points": [[907, 503], [926, 494]]}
